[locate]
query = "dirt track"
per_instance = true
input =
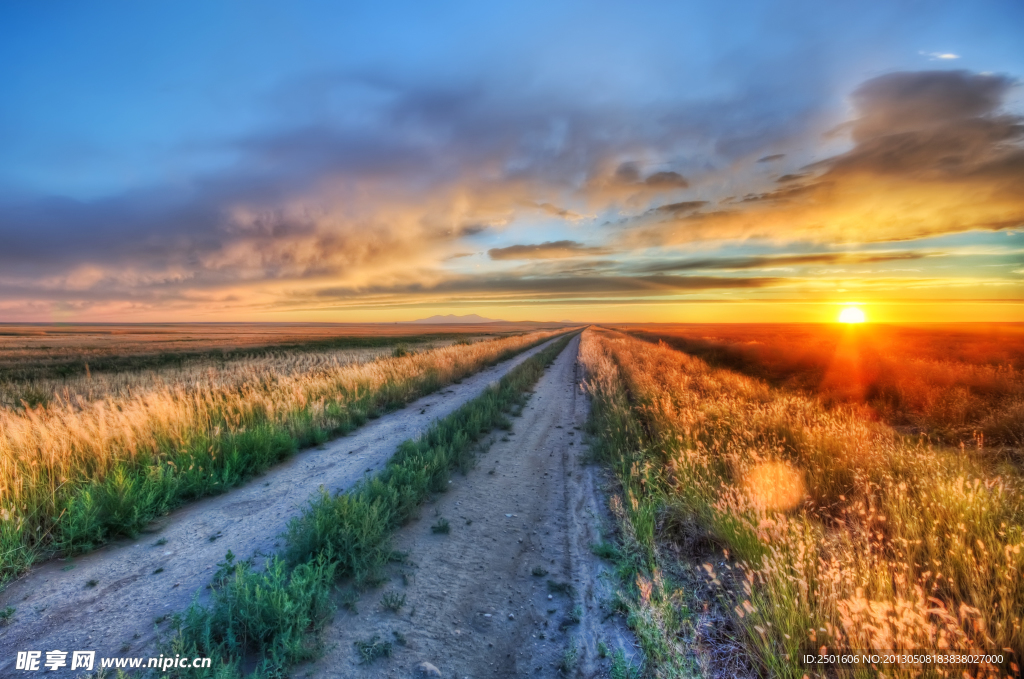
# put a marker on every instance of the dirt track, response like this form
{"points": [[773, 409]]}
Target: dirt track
{"points": [[57, 608], [473, 608]]}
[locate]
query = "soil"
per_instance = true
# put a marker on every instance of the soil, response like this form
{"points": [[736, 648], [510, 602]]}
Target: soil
{"points": [[472, 606]]}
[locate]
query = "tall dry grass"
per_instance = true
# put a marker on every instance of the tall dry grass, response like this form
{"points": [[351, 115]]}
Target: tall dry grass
{"points": [[79, 470], [195, 375], [958, 382], [809, 526]]}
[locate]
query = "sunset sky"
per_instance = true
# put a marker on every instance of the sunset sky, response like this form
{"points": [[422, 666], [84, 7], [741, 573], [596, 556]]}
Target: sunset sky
{"points": [[593, 161]]}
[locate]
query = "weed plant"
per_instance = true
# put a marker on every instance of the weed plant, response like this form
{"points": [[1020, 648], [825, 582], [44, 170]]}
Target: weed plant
{"points": [[761, 522], [372, 649], [393, 601], [570, 657]]}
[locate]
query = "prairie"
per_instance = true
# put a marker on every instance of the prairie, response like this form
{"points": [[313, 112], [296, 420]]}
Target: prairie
{"points": [[756, 524], [958, 382], [101, 454], [29, 351]]}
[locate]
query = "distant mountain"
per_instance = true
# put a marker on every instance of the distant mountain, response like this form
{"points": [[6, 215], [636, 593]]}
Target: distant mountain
{"points": [[453, 319]]}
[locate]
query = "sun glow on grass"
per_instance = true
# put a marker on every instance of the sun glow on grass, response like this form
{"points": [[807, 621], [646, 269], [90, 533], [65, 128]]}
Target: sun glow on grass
{"points": [[824, 518], [852, 314]]}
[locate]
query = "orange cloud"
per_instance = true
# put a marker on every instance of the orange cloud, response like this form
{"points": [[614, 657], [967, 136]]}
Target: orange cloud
{"points": [[931, 155]]}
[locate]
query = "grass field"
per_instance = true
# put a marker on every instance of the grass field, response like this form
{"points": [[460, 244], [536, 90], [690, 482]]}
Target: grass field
{"points": [[756, 523], [41, 351], [101, 455], [960, 383]]}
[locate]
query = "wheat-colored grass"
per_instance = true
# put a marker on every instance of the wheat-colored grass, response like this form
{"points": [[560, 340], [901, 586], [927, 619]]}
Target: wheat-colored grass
{"points": [[50, 455], [837, 532], [958, 382]]}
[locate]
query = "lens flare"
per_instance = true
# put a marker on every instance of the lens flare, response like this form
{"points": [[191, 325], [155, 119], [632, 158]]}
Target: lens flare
{"points": [[775, 485], [852, 314]]}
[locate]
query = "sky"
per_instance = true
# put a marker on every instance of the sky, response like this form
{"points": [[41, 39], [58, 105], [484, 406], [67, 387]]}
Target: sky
{"points": [[736, 160]]}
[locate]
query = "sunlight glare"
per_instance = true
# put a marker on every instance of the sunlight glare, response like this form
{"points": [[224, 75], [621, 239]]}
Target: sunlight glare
{"points": [[852, 314], [775, 485]]}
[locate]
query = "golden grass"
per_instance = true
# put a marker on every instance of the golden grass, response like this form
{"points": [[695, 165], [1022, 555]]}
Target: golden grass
{"points": [[837, 532], [200, 374], [125, 437], [958, 381]]}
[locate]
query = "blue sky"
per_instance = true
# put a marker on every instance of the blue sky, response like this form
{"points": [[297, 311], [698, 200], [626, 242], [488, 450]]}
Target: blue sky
{"points": [[329, 161]]}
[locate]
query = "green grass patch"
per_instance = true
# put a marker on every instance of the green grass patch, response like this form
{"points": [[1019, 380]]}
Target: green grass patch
{"points": [[561, 588], [271, 620], [270, 617], [372, 649], [393, 601]]}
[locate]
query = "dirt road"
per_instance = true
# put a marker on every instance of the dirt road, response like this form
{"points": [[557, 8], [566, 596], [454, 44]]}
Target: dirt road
{"points": [[107, 601], [477, 602]]}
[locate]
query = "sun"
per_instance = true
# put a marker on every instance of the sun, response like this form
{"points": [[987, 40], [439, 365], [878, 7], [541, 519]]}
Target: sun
{"points": [[852, 314]]}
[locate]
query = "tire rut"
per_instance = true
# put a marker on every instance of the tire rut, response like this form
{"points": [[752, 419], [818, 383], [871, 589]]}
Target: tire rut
{"points": [[474, 606]]}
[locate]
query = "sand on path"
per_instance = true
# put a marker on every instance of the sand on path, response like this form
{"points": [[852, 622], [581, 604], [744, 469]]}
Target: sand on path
{"points": [[473, 606]]}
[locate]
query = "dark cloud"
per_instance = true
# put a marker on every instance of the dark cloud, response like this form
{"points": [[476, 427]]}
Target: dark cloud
{"points": [[667, 179], [471, 229], [782, 195], [932, 153], [936, 126], [628, 173], [917, 102], [775, 261], [682, 207], [495, 287], [557, 211], [549, 250], [774, 156]]}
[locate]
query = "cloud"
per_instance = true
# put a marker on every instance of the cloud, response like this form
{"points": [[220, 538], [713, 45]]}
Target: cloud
{"points": [[922, 103], [548, 250], [494, 288], [565, 213], [383, 200], [931, 154], [667, 179], [393, 186], [627, 173], [777, 261], [682, 207], [940, 56]]}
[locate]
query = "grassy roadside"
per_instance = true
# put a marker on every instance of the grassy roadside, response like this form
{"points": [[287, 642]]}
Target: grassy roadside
{"points": [[756, 525], [657, 611], [72, 481], [261, 621], [954, 386], [31, 370]]}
